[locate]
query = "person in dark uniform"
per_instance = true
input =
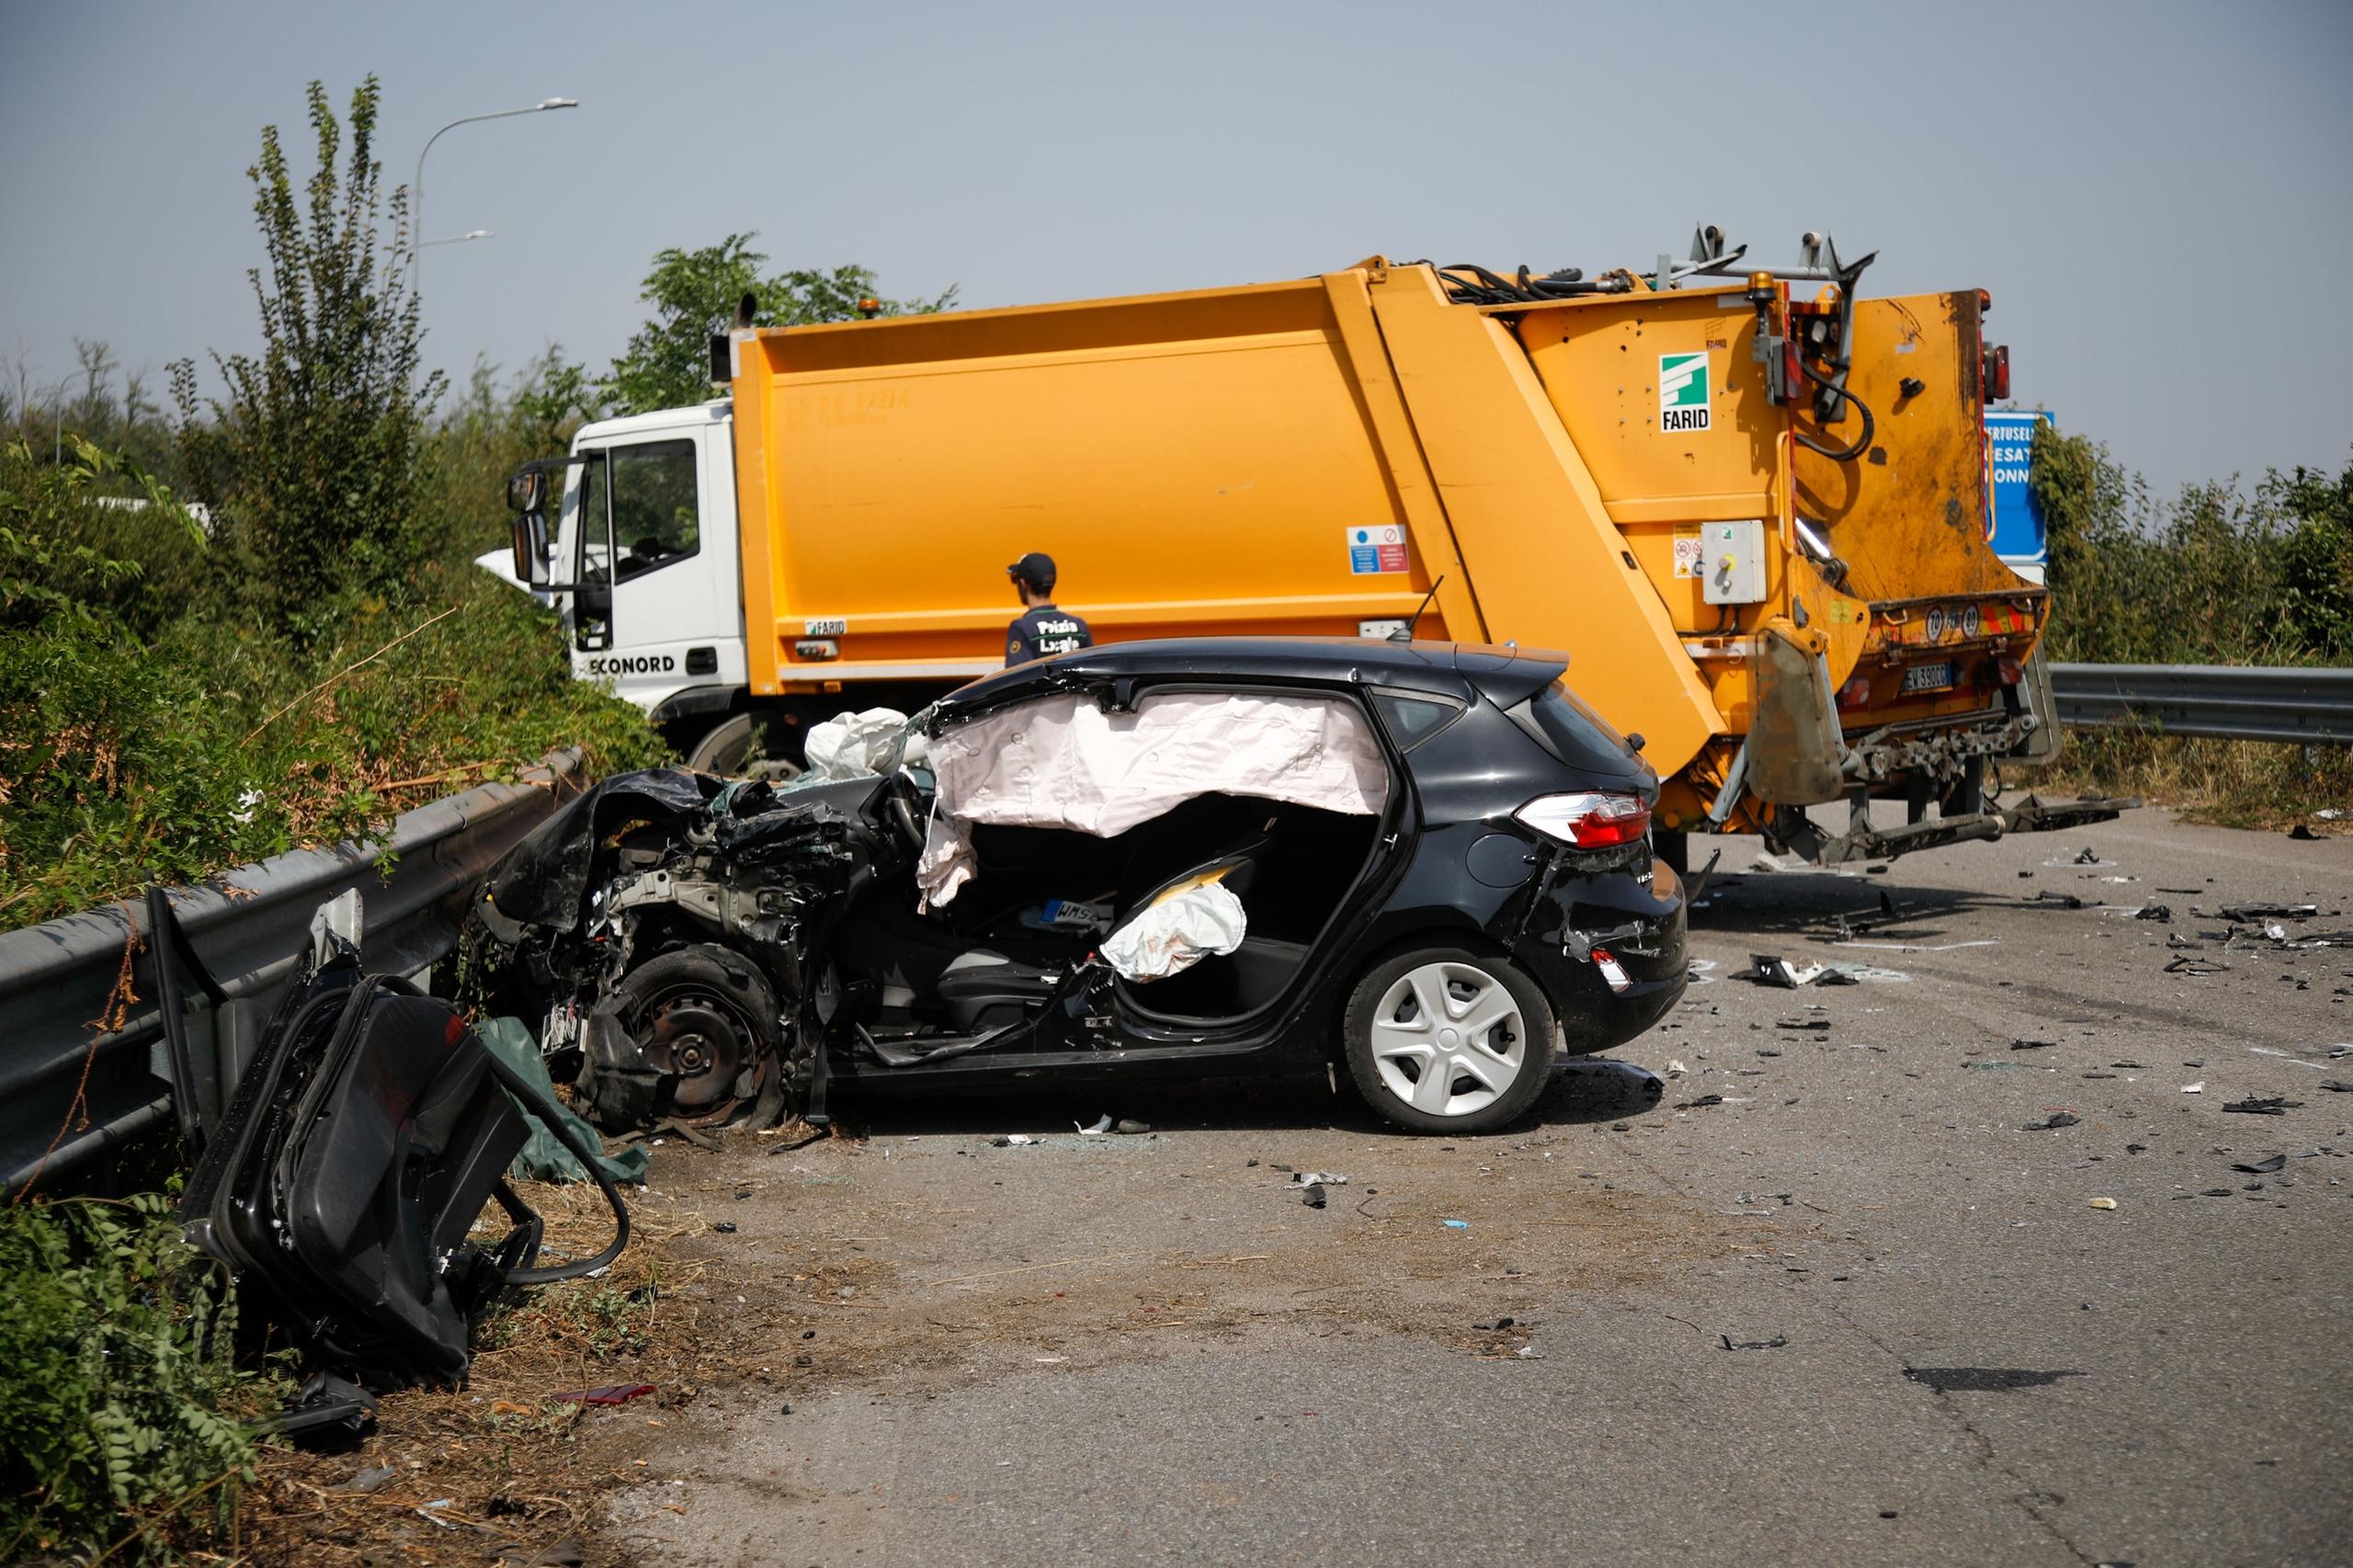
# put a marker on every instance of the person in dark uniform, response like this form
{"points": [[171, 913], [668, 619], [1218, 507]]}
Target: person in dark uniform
{"points": [[1041, 630]]}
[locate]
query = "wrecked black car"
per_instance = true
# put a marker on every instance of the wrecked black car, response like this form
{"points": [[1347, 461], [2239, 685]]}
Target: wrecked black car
{"points": [[1199, 858]]}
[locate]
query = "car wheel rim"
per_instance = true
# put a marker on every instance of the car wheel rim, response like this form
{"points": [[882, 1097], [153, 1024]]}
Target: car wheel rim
{"points": [[1448, 1038], [690, 1031]]}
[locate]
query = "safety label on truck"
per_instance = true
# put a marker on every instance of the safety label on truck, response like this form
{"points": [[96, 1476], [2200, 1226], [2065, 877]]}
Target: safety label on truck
{"points": [[1377, 549], [1686, 552], [1682, 391]]}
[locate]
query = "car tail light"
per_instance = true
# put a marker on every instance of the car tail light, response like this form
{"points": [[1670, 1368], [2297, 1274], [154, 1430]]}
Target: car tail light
{"points": [[1854, 694], [1589, 820]]}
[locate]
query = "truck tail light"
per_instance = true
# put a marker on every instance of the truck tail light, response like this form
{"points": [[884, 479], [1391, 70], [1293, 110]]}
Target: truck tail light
{"points": [[1589, 820], [1854, 694], [1996, 373], [2008, 671]]}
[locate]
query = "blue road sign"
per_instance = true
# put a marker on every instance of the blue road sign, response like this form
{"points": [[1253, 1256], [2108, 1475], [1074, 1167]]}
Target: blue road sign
{"points": [[2018, 521]]}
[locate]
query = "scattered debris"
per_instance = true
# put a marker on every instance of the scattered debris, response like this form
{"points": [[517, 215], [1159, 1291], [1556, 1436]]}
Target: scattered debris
{"points": [[1773, 1344], [2103, 1203], [2197, 966], [1803, 1024], [2058, 1120], [1102, 1125], [2256, 914], [2088, 858], [1313, 1197], [1127, 1128], [1010, 1140], [1317, 1178], [2275, 1105], [1701, 1102], [1456, 1225], [1766, 969], [1490, 1328], [2033, 1044], [2064, 899], [371, 1478], [2158, 912], [2260, 1167], [2197, 1088]]}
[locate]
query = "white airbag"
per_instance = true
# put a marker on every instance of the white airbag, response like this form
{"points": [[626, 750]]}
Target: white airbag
{"points": [[1173, 935], [1063, 762]]}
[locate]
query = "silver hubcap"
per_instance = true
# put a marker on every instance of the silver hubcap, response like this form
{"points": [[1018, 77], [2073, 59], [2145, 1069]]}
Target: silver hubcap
{"points": [[1448, 1038]]}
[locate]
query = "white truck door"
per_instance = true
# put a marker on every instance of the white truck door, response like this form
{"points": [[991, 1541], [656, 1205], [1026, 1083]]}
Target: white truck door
{"points": [[647, 617]]}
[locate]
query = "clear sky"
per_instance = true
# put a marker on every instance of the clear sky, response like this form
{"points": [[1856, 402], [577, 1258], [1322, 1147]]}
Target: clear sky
{"points": [[2159, 196]]}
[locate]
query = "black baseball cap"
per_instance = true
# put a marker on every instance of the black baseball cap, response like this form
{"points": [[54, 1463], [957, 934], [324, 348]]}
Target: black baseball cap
{"points": [[1037, 569]]}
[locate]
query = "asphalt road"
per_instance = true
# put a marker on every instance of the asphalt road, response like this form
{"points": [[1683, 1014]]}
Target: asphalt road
{"points": [[1855, 1313]]}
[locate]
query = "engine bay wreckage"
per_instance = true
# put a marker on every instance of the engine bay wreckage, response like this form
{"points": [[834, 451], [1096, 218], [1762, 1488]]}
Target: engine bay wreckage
{"points": [[1073, 869]]}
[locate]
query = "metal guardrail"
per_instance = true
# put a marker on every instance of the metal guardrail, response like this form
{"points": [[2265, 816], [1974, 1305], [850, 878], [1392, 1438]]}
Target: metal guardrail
{"points": [[71, 1088], [2245, 703]]}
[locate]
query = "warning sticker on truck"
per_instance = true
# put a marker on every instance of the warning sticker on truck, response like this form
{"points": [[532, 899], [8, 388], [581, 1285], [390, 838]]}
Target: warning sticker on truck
{"points": [[1682, 391], [1686, 553], [1378, 549]]}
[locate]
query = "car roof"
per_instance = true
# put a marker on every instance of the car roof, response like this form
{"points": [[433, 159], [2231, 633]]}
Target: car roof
{"points": [[1503, 675]]}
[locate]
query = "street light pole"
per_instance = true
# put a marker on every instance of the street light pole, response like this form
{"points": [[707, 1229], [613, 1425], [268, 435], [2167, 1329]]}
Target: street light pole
{"points": [[458, 239], [416, 190]]}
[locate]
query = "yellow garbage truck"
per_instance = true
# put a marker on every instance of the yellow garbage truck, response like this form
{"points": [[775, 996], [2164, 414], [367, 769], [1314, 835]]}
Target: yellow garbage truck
{"points": [[1750, 504]]}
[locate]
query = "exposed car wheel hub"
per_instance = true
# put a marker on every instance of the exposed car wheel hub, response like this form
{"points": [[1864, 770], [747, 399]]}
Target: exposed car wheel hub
{"points": [[703, 1037], [1448, 1038]]}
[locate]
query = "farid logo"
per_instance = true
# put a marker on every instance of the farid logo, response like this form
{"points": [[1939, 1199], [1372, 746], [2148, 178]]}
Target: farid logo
{"points": [[1682, 391]]}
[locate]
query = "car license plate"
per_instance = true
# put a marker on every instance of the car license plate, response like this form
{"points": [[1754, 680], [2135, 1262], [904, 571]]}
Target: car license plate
{"points": [[1928, 677]]}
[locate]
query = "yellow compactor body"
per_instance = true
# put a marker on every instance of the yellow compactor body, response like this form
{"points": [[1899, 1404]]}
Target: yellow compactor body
{"points": [[1753, 511]]}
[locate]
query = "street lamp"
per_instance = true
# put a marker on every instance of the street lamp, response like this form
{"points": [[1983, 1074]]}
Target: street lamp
{"points": [[457, 239], [417, 191]]}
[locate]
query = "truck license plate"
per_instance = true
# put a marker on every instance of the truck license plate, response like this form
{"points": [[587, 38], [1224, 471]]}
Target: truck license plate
{"points": [[1928, 677]]}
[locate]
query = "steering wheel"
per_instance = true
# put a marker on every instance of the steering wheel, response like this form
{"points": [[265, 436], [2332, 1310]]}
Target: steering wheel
{"points": [[901, 804]]}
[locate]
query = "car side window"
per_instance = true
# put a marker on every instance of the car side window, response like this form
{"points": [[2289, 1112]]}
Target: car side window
{"points": [[1413, 719], [655, 506]]}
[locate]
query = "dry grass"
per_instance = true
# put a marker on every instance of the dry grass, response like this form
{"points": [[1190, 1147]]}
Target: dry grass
{"points": [[2248, 784]]}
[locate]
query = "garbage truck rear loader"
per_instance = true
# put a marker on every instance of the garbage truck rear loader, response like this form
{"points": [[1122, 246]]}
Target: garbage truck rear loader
{"points": [[1750, 504]]}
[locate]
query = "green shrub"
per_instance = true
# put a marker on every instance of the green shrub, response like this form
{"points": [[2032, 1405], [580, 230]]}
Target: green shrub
{"points": [[124, 1413]]}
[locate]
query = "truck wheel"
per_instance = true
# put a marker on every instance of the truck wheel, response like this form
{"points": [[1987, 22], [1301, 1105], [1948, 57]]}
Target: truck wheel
{"points": [[723, 751], [1443, 1039]]}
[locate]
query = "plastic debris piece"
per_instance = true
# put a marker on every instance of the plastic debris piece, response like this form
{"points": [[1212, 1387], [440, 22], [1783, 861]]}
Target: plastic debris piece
{"points": [[1313, 1197], [1773, 1344], [371, 1478], [2103, 1203], [1456, 1225], [2256, 914], [1675, 1069], [2260, 1167], [1766, 969], [1010, 1140], [2253, 1105], [2197, 1088], [610, 1394], [2196, 966], [2159, 912], [1131, 1129], [2058, 1120], [2087, 857], [1704, 1100], [1102, 1125], [2032, 1044], [1317, 1178]]}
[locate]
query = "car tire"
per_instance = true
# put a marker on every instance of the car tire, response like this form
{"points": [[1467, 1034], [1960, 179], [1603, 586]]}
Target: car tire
{"points": [[1476, 1018], [722, 751]]}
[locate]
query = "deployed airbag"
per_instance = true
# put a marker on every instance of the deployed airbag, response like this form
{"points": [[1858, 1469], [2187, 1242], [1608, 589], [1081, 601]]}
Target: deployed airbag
{"points": [[1065, 762], [1176, 933]]}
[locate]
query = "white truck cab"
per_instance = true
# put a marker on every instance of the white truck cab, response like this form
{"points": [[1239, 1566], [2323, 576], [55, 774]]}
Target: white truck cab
{"points": [[645, 564]]}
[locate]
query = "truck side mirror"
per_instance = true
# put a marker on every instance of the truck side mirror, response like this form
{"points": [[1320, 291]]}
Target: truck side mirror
{"points": [[526, 491], [531, 547]]}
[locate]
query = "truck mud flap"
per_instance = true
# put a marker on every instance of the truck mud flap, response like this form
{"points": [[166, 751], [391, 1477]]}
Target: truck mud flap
{"points": [[1794, 749]]}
